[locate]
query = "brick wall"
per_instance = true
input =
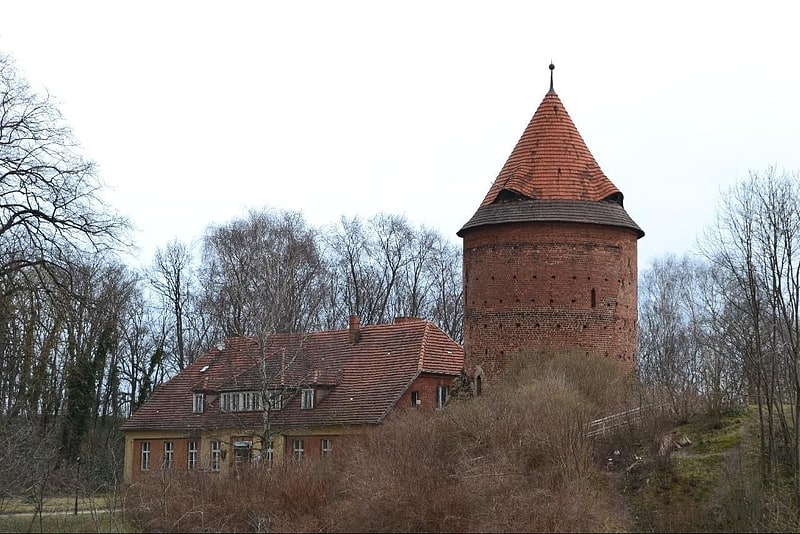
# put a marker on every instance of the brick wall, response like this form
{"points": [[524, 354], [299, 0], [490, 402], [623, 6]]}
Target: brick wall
{"points": [[425, 388], [548, 286]]}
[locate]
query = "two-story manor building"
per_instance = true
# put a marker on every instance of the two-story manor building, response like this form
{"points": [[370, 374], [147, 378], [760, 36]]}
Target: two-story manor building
{"points": [[317, 390]]}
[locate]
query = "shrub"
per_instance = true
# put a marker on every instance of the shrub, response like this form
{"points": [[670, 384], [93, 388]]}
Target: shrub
{"points": [[515, 459]]}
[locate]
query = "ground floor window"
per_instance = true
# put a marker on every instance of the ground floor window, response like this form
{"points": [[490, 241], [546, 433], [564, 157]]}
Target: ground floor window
{"points": [[145, 455], [298, 447], [192, 455], [216, 455], [326, 446], [168, 452], [269, 453]]}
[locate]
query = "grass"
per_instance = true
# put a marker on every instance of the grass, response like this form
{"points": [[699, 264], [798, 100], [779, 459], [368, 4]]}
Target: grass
{"points": [[94, 515], [24, 522], [711, 438], [58, 505], [690, 489]]}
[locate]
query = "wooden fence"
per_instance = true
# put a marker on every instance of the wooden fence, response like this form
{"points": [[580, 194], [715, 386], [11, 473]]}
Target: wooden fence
{"points": [[606, 424]]}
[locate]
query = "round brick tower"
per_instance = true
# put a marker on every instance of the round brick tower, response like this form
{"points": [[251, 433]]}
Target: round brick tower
{"points": [[550, 254]]}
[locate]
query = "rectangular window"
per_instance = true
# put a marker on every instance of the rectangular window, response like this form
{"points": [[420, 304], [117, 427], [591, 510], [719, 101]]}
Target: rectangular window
{"points": [[240, 401], [145, 455], [198, 403], [276, 399], [326, 446], [192, 455], [307, 400], [168, 452], [441, 396], [415, 399], [298, 449], [216, 455], [270, 453]]}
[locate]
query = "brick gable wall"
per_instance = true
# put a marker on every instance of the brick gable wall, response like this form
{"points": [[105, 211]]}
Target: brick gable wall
{"points": [[529, 286]]}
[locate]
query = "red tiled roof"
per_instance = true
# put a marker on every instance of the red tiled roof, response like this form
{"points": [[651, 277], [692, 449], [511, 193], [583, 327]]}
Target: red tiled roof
{"points": [[363, 381], [551, 161]]}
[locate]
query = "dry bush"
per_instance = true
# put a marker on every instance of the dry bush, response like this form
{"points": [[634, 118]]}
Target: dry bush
{"points": [[515, 459], [286, 499]]}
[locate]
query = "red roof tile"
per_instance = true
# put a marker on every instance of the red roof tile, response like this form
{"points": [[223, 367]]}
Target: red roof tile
{"points": [[551, 161], [363, 381]]}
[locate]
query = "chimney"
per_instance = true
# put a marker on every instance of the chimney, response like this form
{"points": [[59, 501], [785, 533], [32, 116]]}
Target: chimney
{"points": [[355, 329]]}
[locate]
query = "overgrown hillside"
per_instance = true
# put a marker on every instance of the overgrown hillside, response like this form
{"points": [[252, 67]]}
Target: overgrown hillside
{"points": [[515, 459], [704, 476]]}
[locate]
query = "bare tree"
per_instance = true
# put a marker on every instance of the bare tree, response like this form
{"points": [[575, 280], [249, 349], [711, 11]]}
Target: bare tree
{"points": [[389, 268], [171, 278], [265, 269], [50, 206], [444, 270], [355, 281], [755, 243], [669, 341]]}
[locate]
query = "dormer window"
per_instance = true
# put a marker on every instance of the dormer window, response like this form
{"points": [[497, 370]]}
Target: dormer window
{"points": [[198, 403], [276, 399], [248, 401], [307, 399]]}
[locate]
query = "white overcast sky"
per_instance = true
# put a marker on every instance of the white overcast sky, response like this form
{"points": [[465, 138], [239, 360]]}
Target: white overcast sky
{"points": [[198, 111]]}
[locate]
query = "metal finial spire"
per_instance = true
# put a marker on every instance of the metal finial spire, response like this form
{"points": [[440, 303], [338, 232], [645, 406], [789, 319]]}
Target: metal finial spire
{"points": [[552, 68]]}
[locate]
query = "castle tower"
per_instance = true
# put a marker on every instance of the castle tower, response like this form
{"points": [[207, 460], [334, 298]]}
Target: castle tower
{"points": [[550, 254]]}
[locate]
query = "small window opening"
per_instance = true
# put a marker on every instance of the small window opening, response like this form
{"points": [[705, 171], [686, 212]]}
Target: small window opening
{"points": [[594, 298], [441, 396]]}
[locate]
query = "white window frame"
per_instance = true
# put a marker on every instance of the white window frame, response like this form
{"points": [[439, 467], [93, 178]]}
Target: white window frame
{"points": [[240, 401], [415, 399], [198, 403], [191, 459], [216, 455], [307, 399], [298, 449], [145, 465], [270, 453], [325, 447], [442, 394], [276, 399], [169, 454]]}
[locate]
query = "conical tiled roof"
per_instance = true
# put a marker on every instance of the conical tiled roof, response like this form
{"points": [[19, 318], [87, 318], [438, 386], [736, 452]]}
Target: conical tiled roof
{"points": [[551, 176], [551, 161]]}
